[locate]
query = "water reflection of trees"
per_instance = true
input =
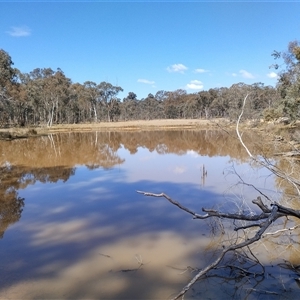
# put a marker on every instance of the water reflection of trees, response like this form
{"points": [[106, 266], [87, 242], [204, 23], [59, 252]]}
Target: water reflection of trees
{"points": [[55, 157], [203, 142], [46, 159], [14, 178], [11, 205], [69, 150], [290, 166], [100, 148]]}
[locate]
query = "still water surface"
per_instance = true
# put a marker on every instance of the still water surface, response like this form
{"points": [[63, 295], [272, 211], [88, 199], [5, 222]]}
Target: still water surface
{"points": [[73, 227]]}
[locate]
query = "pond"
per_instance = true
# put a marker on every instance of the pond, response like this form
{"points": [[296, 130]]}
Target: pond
{"points": [[72, 225]]}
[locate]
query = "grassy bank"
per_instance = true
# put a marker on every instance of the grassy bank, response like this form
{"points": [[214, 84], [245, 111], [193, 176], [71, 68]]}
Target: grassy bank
{"points": [[12, 133], [142, 125]]}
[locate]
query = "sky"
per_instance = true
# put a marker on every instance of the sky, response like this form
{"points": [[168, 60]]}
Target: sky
{"points": [[148, 46]]}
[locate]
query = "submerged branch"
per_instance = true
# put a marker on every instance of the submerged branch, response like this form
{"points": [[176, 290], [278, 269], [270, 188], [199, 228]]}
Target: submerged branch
{"points": [[213, 213], [273, 216], [268, 216]]}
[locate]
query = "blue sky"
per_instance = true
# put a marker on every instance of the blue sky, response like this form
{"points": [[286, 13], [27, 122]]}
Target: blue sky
{"points": [[149, 46]]}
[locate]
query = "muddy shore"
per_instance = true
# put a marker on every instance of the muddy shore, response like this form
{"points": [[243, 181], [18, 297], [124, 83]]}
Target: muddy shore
{"points": [[141, 125]]}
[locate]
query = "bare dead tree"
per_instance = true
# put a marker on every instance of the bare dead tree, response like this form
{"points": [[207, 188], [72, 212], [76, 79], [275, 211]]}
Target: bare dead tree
{"points": [[262, 221]]}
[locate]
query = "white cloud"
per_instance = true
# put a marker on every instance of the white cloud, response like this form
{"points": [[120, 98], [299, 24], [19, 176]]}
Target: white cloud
{"points": [[19, 31], [231, 74], [201, 71], [246, 74], [195, 85], [146, 81], [177, 68], [192, 153], [179, 170], [145, 158], [272, 75]]}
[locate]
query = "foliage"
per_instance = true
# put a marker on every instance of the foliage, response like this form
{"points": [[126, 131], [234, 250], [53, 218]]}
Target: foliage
{"points": [[289, 80], [45, 96], [7, 72], [271, 114]]}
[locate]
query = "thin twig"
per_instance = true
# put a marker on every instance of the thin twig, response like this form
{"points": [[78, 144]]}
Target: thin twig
{"points": [[282, 230]]}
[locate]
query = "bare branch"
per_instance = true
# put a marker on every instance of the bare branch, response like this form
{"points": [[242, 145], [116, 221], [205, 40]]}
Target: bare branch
{"points": [[261, 205], [237, 127], [195, 215], [214, 213], [210, 212], [283, 230], [268, 215], [251, 185], [272, 217], [288, 211], [247, 226]]}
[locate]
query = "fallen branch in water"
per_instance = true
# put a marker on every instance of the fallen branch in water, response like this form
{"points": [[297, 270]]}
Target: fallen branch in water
{"points": [[266, 218]]}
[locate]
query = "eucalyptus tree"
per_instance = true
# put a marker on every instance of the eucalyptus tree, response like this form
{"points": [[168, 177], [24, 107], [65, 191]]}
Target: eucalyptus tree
{"points": [[129, 107], [92, 93], [220, 105], [108, 96], [161, 95], [131, 96], [62, 85], [205, 99], [50, 90], [33, 89], [7, 72], [173, 104], [22, 102], [261, 97], [151, 108], [236, 95], [189, 106], [289, 80], [7, 85], [79, 106]]}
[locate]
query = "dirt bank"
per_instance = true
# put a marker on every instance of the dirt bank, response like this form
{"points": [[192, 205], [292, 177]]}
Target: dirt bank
{"points": [[111, 126], [169, 124], [138, 125]]}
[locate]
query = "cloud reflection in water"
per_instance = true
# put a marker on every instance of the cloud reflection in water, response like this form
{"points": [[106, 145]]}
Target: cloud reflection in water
{"points": [[83, 224]]}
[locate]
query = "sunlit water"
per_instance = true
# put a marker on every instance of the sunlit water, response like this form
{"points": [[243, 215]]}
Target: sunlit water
{"points": [[85, 233]]}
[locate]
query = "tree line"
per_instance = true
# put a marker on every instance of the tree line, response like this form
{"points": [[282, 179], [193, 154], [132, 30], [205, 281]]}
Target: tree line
{"points": [[46, 96]]}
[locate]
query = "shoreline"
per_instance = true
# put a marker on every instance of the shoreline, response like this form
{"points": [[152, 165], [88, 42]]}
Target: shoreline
{"points": [[138, 125], [269, 132]]}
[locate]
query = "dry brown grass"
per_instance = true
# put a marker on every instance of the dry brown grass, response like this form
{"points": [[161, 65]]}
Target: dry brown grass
{"points": [[135, 125], [141, 125]]}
